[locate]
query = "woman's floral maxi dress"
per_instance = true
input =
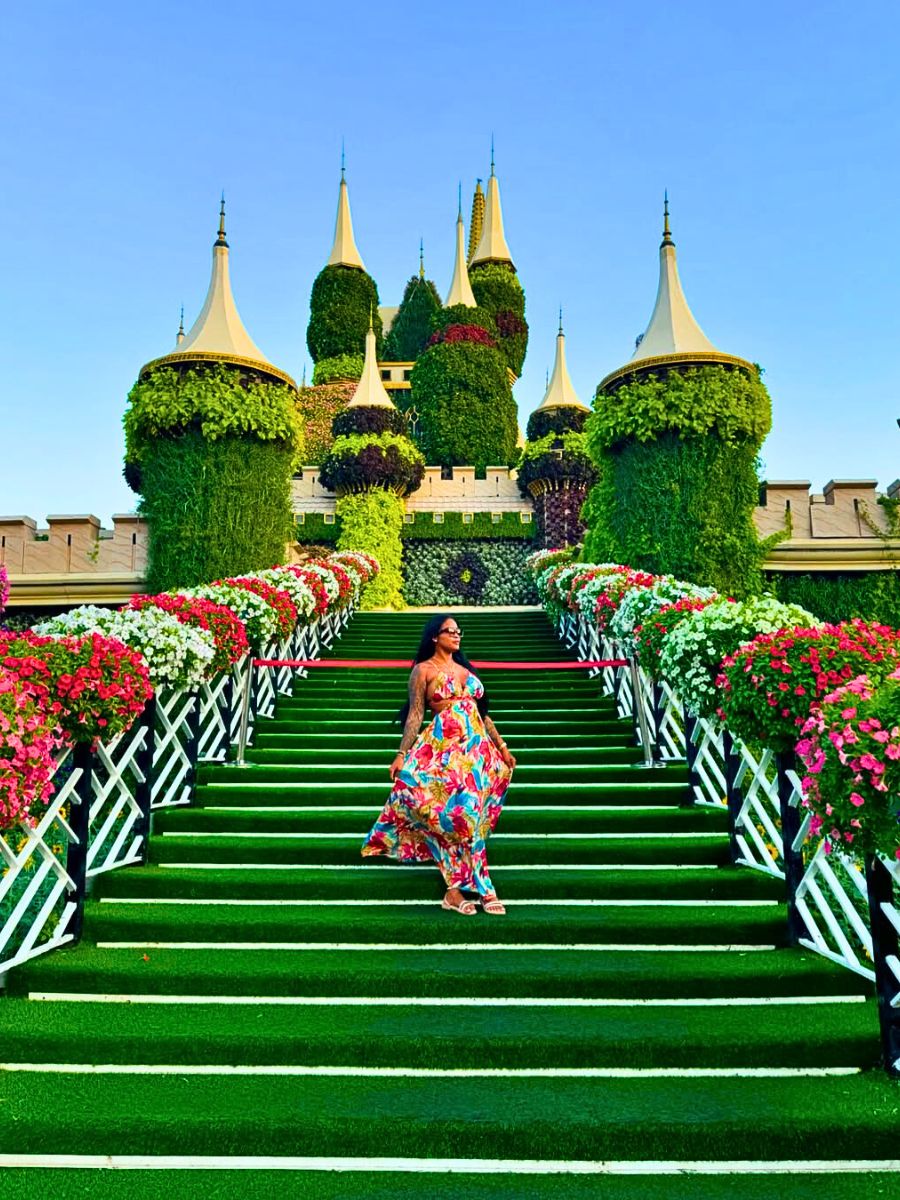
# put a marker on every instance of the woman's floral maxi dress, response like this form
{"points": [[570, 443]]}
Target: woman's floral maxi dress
{"points": [[448, 794]]}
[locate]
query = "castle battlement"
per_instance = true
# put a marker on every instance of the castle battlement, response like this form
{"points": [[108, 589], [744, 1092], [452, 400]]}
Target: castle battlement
{"points": [[459, 492]]}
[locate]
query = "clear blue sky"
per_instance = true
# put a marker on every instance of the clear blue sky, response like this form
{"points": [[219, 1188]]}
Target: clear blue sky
{"points": [[774, 126]]}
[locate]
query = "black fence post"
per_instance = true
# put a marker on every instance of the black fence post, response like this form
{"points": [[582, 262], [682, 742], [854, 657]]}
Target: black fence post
{"points": [[144, 761], [690, 753], [657, 707], [885, 944], [793, 856], [733, 796], [80, 822]]}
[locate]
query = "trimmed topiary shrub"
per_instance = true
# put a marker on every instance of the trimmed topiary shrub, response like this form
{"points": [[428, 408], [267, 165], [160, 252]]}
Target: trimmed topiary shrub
{"points": [[497, 288], [414, 322], [216, 448], [371, 521], [358, 462], [340, 368], [343, 301], [555, 420], [677, 483], [214, 508], [467, 413], [461, 314]]}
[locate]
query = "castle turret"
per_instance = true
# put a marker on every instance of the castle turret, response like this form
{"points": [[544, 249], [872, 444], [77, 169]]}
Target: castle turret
{"points": [[460, 289], [343, 251], [370, 391], [218, 334], [492, 247]]}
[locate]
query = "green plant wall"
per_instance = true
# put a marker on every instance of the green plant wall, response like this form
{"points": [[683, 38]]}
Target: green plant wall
{"points": [[423, 527], [467, 572], [414, 322], [497, 289], [840, 596], [342, 302], [214, 508], [371, 521]]}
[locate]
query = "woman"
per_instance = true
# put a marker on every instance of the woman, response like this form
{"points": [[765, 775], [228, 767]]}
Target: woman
{"points": [[450, 779]]}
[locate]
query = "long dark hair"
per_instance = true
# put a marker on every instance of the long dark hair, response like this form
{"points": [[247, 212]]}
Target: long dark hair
{"points": [[426, 650]]}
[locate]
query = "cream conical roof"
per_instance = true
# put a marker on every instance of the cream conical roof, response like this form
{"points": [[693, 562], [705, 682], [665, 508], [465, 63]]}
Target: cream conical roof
{"points": [[218, 334], [673, 328], [344, 252], [673, 335], [560, 393], [370, 390], [460, 287], [492, 245]]}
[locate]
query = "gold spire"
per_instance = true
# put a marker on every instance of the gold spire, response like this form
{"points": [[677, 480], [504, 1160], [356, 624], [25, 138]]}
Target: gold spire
{"points": [[477, 222], [673, 335], [560, 393], [460, 288], [421, 258], [218, 334], [370, 391], [492, 245], [343, 250]]}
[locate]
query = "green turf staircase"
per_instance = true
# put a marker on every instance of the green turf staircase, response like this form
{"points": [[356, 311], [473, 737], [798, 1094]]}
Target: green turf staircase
{"points": [[258, 991]]}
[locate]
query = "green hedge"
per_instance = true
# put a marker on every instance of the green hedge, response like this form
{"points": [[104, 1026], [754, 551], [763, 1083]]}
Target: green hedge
{"points": [[564, 419], [682, 507], [341, 367], [498, 290], [838, 596], [466, 408], [423, 528], [214, 508], [414, 323], [343, 301], [475, 572], [371, 522]]}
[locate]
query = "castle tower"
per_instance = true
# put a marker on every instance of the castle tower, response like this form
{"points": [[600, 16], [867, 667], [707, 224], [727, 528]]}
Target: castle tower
{"points": [[492, 247], [460, 288]]}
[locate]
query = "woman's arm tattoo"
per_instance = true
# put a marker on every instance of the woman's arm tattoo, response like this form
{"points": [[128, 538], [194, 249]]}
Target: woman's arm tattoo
{"points": [[493, 732], [417, 682]]}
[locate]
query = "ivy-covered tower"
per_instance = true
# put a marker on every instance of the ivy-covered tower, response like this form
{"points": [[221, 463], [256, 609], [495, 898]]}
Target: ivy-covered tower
{"points": [[675, 435], [373, 466], [212, 437], [494, 280], [556, 470], [411, 327], [343, 296]]}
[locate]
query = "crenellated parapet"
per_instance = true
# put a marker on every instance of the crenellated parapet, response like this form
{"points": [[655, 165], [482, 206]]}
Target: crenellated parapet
{"points": [[441, 490]]}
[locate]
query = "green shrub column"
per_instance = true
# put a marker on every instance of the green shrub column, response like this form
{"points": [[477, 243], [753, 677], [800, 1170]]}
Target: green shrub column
{"points": [[372, 521], [677, 476]]}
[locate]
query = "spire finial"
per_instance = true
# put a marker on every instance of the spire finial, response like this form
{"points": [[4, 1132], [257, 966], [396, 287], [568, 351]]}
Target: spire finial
{"points": [[220, 240], [421, 258], [667, 232], [343, 167], [546, 378], [560, 319], [303, 378], [459, 210], [371, 319], [492, 154], [179, 337]]}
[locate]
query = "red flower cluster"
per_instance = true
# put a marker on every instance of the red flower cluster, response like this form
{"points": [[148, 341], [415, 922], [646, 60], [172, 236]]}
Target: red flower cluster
{"points": [[462, 333], [225, 626], [343, 580], [851, 750], [611, 597], [315, 585], [92, 686], [649, 638], [769, 685], [29, 739], [276, 599]]}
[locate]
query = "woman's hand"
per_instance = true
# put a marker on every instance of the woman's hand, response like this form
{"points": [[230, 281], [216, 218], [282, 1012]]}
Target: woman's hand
{"points": [[396, 765], [508, 759]]}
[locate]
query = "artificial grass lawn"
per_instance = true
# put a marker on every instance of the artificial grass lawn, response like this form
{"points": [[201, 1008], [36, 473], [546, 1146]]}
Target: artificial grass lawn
{"points": [[497, 1118], [636, 975], [441, 1035], [359, 1185]]}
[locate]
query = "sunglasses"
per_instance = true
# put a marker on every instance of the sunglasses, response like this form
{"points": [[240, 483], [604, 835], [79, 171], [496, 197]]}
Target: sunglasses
{"points": [[452, 632]]}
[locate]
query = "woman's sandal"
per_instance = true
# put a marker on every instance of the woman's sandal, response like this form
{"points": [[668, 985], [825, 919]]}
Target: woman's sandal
{"points": [[493, 906], [465, 908]]}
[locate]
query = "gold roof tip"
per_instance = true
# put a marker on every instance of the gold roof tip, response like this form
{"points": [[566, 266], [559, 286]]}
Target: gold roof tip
{"points": [[343, 249], [370, 391], [218, 334], [179, 336], [492, 245], [667, 232], [476, 224], [460, 286], [560, 393]]}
